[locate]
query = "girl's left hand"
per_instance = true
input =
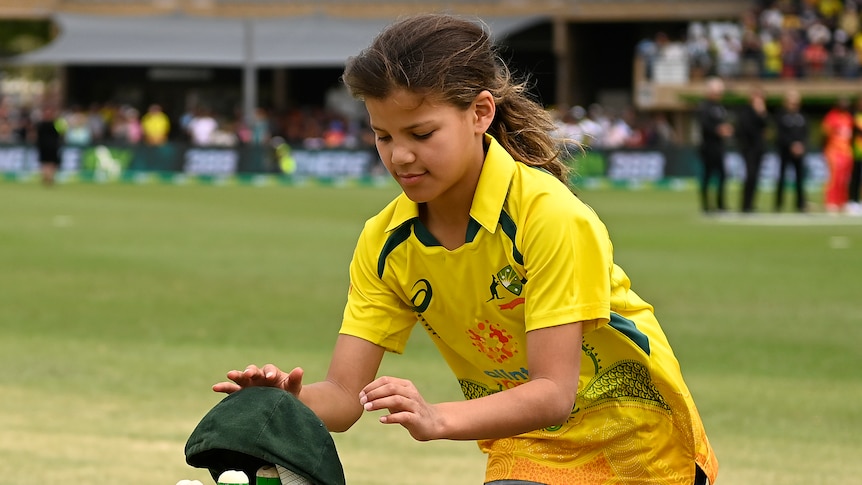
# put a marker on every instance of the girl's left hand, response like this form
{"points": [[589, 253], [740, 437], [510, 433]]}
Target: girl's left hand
{"points": [[406, 407]]}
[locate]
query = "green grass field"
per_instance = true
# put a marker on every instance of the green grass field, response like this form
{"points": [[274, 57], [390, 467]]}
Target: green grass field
{"points": [[120, 305]]}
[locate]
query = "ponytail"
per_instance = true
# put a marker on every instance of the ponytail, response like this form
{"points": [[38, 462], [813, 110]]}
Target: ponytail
{"points": [[526, 130]]}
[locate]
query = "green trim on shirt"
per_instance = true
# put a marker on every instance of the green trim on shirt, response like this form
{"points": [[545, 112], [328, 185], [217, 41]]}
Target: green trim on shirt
{"points": [[630, 330], [397, 237]]}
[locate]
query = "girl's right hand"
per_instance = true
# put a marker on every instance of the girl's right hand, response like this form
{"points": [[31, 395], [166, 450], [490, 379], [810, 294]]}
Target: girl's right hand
{"points": [[268, 375]]}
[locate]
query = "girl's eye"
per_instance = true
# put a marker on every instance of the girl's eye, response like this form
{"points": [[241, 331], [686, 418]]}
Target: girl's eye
{"points": [[383, 138], [423, 136]]}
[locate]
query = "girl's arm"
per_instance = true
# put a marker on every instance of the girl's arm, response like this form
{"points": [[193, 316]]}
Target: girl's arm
{"points": [[335, 400], [547, 399]]}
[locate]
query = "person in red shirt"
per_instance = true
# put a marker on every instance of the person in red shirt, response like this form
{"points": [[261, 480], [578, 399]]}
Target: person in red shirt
{"points": [[837, 135]]}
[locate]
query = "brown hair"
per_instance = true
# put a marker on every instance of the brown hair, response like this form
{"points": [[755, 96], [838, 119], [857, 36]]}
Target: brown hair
{"points": [[455, 59]]}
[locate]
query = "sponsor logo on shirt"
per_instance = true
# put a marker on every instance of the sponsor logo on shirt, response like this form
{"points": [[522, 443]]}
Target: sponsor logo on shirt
{"points": [[492, 340], [421, 295]]}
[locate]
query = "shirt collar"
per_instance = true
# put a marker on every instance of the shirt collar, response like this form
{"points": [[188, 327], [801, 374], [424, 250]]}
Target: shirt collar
{"points": [[491, 191]]}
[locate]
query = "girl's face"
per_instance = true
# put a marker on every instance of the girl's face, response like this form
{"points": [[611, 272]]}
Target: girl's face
{"points": [[433, 149]]}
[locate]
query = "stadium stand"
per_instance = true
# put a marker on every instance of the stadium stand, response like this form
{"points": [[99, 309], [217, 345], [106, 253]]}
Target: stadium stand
{"points": [[632, 10], [583, 52]]}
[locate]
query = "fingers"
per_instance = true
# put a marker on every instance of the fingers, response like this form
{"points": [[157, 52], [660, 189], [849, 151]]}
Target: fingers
{"points": [[270, 371], [404, 404], [293, 384], [226, 387], [269, 376], [389, 393]]}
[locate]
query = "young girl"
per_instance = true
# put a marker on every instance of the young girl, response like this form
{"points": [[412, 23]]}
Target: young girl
{"points": [[567, 374]]}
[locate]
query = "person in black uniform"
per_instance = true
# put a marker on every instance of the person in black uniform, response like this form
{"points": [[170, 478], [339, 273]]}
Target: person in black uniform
{"points": [[750, 134], [715, 129], [48, 140], [792, 134]]}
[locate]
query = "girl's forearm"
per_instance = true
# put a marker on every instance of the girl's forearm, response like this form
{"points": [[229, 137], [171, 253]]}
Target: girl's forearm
{"points": [[336, 406], [536, 404]]}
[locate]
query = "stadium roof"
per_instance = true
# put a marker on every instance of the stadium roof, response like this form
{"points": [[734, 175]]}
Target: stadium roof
{"points": [[301, 41]]}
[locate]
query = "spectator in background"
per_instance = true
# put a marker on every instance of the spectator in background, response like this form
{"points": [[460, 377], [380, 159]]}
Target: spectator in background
{"points": [[594, 126], [185, 119], [7, 132], [108, 112], [771, 18], [48, 137], [284, 161], [134, 133], [647, 49], [660, 49], [853, 205], [849, 19], [729, 53], [659, 132], [751, 135], [815, 55], [837, 133], [77, 128], [621, 131], [751, 46], [22, 123], [96, 122], [260, 129], [119, 126], [791, 55], [791, 138], [226, 133], [818, 32], [856, 42], [791, 21], [9, 121], [829, 9], [569, 126], [126, 126], [155, 126], [699, 51], [772, 61], [808, 13], [201, 127], [714, 130], [842, 59], [335, 134]]}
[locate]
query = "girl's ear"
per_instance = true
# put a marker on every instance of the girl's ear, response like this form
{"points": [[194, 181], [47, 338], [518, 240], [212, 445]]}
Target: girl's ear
{"points": [[484, 108]]}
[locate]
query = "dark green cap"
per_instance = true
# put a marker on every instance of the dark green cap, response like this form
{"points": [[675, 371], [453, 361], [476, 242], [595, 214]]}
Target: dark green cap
{"points": [[259, 426]]}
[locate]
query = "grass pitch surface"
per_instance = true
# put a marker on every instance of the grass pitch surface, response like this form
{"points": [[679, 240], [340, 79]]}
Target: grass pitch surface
{"points": [[120, 305]]}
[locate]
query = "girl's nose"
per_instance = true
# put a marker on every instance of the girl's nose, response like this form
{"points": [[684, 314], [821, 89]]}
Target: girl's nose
{"points": [[402, 155]]}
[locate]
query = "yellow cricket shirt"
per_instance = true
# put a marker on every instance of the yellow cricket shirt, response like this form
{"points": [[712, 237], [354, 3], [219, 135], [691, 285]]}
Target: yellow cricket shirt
{"points": [[155, 127], [535, 256]]}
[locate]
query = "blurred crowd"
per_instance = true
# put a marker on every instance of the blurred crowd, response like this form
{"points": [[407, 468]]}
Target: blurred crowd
{"points": [[776, 39], [311, 128], [599, 126], [111, 123]]}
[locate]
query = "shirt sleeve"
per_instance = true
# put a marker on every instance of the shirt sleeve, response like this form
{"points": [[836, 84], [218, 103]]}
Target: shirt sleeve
{"points": [[568, 264], [374, 311]]}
